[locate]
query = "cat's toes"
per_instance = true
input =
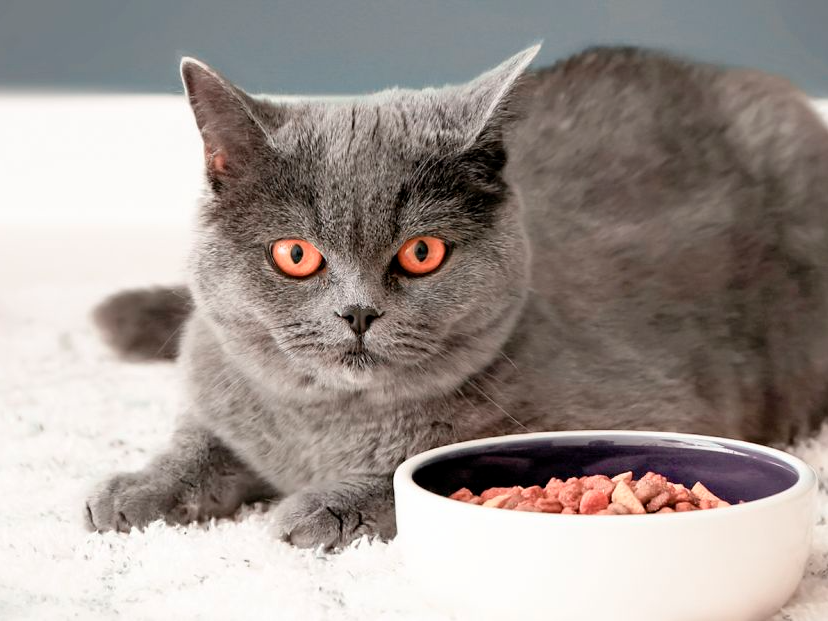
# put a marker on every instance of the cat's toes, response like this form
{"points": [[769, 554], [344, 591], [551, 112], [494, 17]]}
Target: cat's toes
{"points": [[133, 500], [310, 519]]}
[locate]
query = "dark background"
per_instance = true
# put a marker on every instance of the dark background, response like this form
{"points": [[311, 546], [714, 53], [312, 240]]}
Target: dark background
{"points": [[330, 46]]}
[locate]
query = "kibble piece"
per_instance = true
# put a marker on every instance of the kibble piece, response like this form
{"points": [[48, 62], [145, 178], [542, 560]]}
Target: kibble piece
{"points": [[592, 502], [617, 509], [527, 505], [658, 479], [463, 494], [553, 488], [623, 495], [702, 493], [685, 506], [497, 501], [533, 493], [499, 491], [549, 505], [646, 490], [658, 502], [624, 476], [682, 494], [570, 494], [513, 501], [599, 482]]}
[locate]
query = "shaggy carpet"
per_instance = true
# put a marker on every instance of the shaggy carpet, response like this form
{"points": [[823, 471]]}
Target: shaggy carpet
{"points": [[70, 414]]}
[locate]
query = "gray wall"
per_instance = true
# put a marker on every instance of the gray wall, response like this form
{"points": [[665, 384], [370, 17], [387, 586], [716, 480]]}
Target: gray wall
{"points": [[331, 46]]}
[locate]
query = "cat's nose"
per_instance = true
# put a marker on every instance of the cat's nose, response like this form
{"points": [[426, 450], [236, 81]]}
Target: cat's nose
{"points": [[359, 318]]}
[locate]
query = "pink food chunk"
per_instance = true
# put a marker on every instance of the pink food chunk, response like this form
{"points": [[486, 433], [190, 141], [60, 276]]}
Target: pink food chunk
{"points": [[592, 502]]}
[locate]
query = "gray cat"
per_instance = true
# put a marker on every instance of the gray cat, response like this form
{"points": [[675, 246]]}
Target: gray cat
{"points": [[623, 240]]}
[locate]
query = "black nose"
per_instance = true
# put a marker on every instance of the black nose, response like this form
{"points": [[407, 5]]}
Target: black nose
{"points": [[359, 317]]}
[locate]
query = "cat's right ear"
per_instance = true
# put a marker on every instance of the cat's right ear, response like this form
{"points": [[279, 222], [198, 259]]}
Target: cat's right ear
{"points": [[226, 118]]}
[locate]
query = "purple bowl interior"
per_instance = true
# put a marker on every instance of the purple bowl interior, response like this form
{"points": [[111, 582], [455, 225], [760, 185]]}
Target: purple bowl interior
{"points": [[730, 471]]}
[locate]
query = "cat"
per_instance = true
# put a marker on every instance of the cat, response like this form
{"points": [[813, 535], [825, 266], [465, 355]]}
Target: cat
{"points": [[623, 240]]}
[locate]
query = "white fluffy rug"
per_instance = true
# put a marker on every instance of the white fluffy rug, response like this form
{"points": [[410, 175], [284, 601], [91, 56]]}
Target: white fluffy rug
{"points": [[71, 414]]}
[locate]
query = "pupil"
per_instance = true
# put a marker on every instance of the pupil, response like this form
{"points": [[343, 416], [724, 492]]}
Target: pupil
{"points": [[296, 254], [421, 251]]}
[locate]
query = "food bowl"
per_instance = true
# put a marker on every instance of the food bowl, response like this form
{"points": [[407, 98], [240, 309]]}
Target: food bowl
{"points": [[733, 563]]}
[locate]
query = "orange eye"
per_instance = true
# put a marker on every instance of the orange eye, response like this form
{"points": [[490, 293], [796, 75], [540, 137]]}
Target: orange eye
{"points": [[421, 255], [296, 257]]}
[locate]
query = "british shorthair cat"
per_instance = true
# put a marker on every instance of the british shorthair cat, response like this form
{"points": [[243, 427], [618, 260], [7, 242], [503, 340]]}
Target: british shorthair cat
{"points": [[624, 240]]}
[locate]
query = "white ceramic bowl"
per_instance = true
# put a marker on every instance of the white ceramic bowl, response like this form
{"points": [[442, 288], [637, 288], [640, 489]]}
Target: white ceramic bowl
{"points": [[740, 562]]}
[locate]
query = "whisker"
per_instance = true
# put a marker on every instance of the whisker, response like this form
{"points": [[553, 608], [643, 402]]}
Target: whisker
{"points": [[169, 338], [467, 400], [509, 360], [411, 347], [494, 403], [234, 384]]}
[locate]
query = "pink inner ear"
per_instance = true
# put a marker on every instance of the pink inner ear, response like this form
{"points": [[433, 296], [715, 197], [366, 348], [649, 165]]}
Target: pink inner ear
{"points": [[216, 160]]}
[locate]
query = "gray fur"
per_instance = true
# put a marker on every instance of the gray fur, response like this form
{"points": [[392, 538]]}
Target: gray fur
{"points": [[144, 324], [652, 255]]}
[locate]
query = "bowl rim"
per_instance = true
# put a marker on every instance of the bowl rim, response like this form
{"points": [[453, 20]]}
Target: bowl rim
{"points": [[805, 483]]}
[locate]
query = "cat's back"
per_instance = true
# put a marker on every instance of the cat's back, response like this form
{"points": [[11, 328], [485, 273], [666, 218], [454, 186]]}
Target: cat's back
{"points": [[612, 117], [678, 216], [624, 152]]}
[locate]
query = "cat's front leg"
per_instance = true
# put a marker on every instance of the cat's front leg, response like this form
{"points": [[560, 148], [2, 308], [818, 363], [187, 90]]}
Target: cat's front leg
{"points": [[195, 479], [335, 514]]}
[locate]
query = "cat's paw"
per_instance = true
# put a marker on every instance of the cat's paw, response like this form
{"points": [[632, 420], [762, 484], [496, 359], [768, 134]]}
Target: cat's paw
{"points": [[130, 500], [313, 518]]}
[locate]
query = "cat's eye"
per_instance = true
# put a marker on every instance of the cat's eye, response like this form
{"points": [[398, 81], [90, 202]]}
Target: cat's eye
{"points": [[421, 255], [296, 257]]}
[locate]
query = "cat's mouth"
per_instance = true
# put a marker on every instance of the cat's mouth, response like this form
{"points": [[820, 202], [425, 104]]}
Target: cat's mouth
{"points": [[359, 359]]}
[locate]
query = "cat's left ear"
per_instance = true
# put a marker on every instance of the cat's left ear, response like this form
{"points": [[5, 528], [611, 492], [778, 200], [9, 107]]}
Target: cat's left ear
{"points": [[488, 100], [227, 119]]}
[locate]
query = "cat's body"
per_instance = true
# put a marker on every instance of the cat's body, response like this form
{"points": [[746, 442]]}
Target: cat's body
{"points": [[652, 256]]}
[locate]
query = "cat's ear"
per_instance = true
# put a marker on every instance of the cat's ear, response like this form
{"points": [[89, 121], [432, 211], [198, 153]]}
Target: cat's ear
{"points": [[226, 117], [488, 100]]}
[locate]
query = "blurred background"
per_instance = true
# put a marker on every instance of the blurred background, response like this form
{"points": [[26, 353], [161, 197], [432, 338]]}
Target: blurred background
{"points": [[336, 46], [101, 157]]}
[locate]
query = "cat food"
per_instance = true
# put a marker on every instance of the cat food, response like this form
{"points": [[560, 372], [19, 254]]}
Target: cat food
{"points": [[598, 495]]}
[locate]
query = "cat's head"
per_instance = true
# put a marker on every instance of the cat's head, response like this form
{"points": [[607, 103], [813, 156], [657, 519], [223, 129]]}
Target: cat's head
{"points": [[366, 244]]}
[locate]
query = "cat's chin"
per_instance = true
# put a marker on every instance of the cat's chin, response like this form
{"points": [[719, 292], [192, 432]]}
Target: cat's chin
{"points": [[358, 378], [358, 367]]}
